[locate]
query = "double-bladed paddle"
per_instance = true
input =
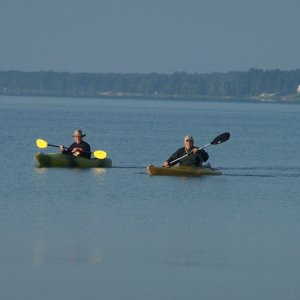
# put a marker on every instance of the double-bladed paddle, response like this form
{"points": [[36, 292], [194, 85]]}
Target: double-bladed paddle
{"points": [[44, 144], [217, 140]]}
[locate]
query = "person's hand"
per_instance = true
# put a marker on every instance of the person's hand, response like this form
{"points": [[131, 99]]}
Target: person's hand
{"points": [[195, 150], [76, 151], [62, 148], [166, 164]]}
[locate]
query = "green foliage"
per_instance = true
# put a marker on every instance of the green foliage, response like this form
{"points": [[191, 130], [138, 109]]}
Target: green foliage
{"points": [[180, 84]]}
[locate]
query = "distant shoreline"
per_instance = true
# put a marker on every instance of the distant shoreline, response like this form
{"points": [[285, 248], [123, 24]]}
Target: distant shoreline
{"points": [[252, 85], [291, 99]]}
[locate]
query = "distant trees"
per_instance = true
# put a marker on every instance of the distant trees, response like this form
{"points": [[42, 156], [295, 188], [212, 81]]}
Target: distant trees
{"points": [[180, 84]]}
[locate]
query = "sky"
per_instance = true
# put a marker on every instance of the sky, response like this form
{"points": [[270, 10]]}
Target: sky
{"points": [[144, 36]]}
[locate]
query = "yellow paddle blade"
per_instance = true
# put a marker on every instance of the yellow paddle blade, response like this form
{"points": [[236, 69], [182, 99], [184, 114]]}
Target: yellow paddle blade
{"points": [[41, 143], [100, 154]]}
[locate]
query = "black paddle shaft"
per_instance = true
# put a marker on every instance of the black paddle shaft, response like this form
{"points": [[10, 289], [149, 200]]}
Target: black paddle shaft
{"points": [[68, 148]]}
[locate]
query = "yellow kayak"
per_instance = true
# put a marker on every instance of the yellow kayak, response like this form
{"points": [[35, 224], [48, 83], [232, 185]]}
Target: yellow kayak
{"points": [[182, 171], [69, 161]]}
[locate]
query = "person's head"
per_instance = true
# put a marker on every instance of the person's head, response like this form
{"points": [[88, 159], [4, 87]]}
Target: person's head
{"points": [[77, 135], [188, 142]]}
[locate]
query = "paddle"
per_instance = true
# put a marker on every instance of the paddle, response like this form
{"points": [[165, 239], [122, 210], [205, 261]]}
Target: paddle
{"points": [[44, 144], [217, 140]]}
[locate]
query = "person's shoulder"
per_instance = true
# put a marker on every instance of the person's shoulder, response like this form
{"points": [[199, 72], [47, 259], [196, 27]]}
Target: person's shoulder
{"points": [[181, 149], [86, 144]]}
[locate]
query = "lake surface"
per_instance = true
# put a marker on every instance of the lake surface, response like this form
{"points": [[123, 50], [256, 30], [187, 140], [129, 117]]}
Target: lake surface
{"points": [[121, 234]]}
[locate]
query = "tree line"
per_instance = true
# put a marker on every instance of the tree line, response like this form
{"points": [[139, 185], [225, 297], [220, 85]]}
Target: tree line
{"points": [[251, 83]]}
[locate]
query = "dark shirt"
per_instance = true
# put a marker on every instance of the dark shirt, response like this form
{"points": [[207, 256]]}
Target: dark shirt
{"points": [[83, 145], [193, 159]]}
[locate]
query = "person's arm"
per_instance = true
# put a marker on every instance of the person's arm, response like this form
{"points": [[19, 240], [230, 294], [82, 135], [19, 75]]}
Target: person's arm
{"points": [[174, 156], [85, 150], [203, 154], [64, 150]]}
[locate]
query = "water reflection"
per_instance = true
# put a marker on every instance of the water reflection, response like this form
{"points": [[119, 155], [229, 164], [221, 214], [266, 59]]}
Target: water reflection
{"points": [[96, 171], [38, 253], [73, 254], [39, 170], [99, 171]]}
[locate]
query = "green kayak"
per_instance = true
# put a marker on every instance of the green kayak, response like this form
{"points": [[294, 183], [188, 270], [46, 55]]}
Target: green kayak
{"points": [[182, 171], [70, 161]]}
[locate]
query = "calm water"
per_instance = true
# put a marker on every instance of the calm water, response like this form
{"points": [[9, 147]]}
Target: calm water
{"points": [[121, 234]]}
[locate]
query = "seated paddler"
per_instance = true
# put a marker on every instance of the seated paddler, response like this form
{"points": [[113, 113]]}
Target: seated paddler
{"points": [[79, 147], [191, 155]]}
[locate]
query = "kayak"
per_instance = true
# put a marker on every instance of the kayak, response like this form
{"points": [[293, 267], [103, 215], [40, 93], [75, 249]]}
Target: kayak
{"points": [[182, 171], [70, 161]]}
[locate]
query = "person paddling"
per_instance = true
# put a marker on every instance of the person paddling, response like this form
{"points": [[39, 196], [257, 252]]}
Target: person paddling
{"points": [[194, 158], [79, 147]]}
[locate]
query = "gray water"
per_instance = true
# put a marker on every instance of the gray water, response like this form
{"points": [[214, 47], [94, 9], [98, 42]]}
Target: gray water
{"points": [[121, 234]]}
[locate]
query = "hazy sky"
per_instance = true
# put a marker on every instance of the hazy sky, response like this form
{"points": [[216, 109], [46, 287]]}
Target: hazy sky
{"points": [[143, 36]]}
